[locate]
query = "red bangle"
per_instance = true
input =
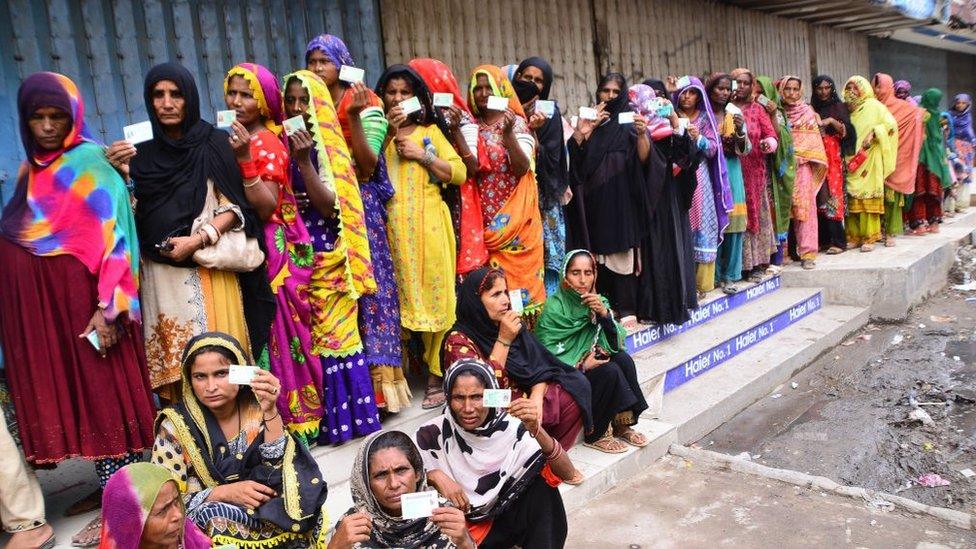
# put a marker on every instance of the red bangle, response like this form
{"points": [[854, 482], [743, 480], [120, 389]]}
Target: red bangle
{"points": [[249, 169]]}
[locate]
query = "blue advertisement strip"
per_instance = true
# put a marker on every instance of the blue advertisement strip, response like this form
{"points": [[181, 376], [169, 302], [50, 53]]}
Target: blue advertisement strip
{"points": [[640, 340], [722, 352]]}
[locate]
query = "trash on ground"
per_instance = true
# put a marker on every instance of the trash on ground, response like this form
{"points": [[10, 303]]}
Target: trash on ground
{"points": [[921, 415], [777, 395], [744, 455], [848, 343], [931, 480], [864, 337], [939, 318], [968, 473], [898, 338], [969, 287]]}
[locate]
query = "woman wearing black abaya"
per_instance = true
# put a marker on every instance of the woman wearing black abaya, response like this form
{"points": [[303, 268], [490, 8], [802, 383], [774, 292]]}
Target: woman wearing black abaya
{"points": [[615, 177], [666, 286]]}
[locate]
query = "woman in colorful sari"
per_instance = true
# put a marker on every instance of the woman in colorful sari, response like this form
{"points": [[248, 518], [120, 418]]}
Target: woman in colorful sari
{"points": [[811, 168], [933, 175], [503, 473], [342, 271], [964, 143], [839, 137], [614, 193], [903, 91], [577, 326], [872, 163], [735, 144], [910, 133], [364, 127], [420, 158], [143, 508], [388, 466], [507, 188], [190, 170], [69, 308], [760, 239], [712, 201], [782, 169], [550, 168], [245, 481]]}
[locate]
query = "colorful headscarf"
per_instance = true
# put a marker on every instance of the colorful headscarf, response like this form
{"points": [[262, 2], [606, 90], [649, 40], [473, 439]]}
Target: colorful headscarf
{"points": [[567, 326], [783, 163], [910, 134], [962, 121], [264, 86], [903, 89], [427, 114], [871, 116], [333, 47], [128, 499], [72, 201], [500, 86], [933, 155], [439, 79], [808, 145], [643, 101]]}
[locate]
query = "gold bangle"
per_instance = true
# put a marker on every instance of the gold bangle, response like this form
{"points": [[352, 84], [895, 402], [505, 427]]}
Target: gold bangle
{"points": [[254, 181]]}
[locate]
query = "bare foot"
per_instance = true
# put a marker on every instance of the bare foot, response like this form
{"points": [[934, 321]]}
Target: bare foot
{"points": [[90, 535], [41, 537]]}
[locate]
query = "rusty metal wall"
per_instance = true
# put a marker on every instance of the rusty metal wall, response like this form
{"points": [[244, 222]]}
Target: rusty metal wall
{"points": [[107, 46]]}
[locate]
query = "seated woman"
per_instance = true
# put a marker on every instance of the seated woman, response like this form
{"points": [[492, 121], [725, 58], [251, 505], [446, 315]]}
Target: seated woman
{"points": [[226, 446], [577, 326], [143, 509], [488, 329], [503, 473], [388, 465]]}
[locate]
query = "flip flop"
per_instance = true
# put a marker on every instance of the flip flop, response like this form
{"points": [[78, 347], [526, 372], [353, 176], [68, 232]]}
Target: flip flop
{"points": [[629, 435], [94, 526], [605, 439], [433, 397]]}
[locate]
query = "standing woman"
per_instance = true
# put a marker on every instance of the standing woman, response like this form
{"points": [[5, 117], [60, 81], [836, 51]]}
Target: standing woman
{"points": [[507, 187], [419, 157], [782, 169], [839, 137], [760, 240], [910, 135], [965, 146], [321, 167], [735, 144], [872, 163], [712, 201], [933, 175], [190, 170], [364, 127], [613, 193], [811, 168], [69, 309], [903, 90]]}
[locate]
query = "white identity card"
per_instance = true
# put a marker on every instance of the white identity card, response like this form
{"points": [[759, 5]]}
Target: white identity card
{"points": [[515, 297], [138, 133], [683, 123], [351, 74], [732, 109], [497, 103], [443, 99], [547, 108], [683, 82], [735, 85], [588, 113], [762, 100], [92, 338], [294, 124], [418, 505], [411, 105], [626, 117], [497, 398], [241, 375], [226, 118]]}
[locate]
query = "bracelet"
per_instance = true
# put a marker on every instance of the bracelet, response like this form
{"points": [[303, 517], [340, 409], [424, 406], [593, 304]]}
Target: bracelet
{"points": [[428, 159], [467, 156], [213, 235], [557, 450], [249, 169], [499, 340], [276, 416], [253, 181]]}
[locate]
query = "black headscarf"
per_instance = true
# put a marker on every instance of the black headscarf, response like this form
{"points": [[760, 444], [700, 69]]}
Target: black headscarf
{"points": [[528, 362], [427, 115], [551, 169], [170, 177], [834, 108]]}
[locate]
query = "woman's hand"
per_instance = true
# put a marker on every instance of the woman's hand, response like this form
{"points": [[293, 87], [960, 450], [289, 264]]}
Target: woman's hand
{"points": [[408, 149], [508, 124], [301, 144], [595, 304], [693, 132], [396, 118], [352, 529], [359, 101], [449, 488], [868, 140], [246, 493], [509, 327], [771, 107], [528, 413], [590, 361], [566, 197], [537, 120], [108, 334], [452, 117], [119, 154], [738, 122], [266, 388], [240, 141], [183, 247], [640, 124], [452, 524]]}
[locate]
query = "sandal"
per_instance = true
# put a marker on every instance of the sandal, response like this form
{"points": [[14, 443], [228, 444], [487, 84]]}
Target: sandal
{"points": [[634, 438], [90, 535], [934, 228], [808, 264], [629, 323], [756, 277], [865, 248], [889, 242], [834, 250], [730, 289], [607, 444], [433, 397]]}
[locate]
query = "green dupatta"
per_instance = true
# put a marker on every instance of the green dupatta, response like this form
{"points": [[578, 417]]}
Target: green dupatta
{"points": [[933, 154], [783, 164]]}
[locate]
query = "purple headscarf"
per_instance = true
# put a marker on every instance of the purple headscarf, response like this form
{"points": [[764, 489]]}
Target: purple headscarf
{"points": [[962, 121], [642, 100], [903, 90], [333, 47], [721, 187], [270, 103]]}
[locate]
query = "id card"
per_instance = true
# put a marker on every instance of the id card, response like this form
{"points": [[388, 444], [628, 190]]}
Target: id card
{"points": [[762, 100], [418, 505], [497, 398], [92, 338], [515, 297], [547, 108], [735, 85], [497, 103], [138, 133], [683, 82], [241, 375], [683, 124], [443, 99], [294, 124], [625, 117], [732, 109], [351, 74], [588, 113], [411, 105], [226, 118]]}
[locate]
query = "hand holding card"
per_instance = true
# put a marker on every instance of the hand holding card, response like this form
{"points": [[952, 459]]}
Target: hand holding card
{"points": [[410, 105], [294, 124], [241, 375], [588, 113], [351, 74], [626, 117], [547, 108], [418, 505], [225, 119], [497, 398], [138, 133], [497, 103]]}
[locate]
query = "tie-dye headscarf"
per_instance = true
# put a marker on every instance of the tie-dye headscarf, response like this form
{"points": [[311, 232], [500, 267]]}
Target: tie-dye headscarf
{"points": [[127, 501], [643, 100], [333, 47], [264, 87], [72, 201], [500, 85]]}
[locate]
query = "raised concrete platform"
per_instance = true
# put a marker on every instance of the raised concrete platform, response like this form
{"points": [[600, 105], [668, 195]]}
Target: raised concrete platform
{"points": [[889, 281]]}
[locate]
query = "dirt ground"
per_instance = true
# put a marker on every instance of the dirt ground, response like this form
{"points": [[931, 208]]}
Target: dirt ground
{"points": [[681, 504], [849, 418]]}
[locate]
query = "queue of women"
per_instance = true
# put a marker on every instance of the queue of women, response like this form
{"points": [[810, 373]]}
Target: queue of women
{"points": [[379, 239]]}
